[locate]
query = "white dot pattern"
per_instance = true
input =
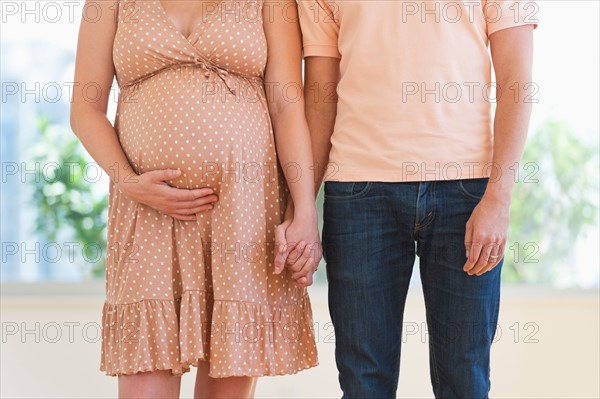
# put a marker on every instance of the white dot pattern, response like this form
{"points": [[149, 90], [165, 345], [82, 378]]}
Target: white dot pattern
{"points": [[180, 292]]}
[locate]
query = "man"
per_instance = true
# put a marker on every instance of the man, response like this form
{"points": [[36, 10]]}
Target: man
{"points": [[414, 165]]}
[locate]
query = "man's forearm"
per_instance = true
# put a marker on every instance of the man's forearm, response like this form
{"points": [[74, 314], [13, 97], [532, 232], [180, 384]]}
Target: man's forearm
{"points": [[512, 55], [320, 93], [320, 123], [510, 133]]}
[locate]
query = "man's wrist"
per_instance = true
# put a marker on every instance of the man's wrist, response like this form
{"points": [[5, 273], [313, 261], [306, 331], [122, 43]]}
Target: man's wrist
{"points": [[499, 194]]}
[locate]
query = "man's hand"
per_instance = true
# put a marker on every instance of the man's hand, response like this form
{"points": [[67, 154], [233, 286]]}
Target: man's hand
{"points": [[487, 228], [486, 235], [298, 248]]}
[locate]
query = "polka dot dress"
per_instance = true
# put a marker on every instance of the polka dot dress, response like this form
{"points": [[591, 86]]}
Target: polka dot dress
{"points": [[179, 292]]}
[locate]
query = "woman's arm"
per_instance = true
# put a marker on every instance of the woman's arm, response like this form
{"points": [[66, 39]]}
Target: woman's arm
{"points": [[94, 68], [283, 79]]}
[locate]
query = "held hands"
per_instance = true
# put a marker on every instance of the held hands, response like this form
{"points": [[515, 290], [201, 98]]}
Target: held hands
{"points": [[485, 239], [297, 241], [151, 189], [298, 248]]}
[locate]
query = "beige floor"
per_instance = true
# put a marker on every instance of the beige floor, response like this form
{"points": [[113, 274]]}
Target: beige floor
{"points": [[548, 347]]}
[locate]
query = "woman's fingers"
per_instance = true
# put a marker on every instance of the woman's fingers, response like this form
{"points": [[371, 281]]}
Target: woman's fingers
{"points": [[196, 210], [280, 246], [186, 211], [187, 218], [208, 199], [305, 281], [185, 195], [298, 268], [151, 189], [307, 263], [187, 202], [308, 268], [192, 207], [163, 174], [160, 177], [302, 261], [293, 252], [294, 258], [174, 194]]}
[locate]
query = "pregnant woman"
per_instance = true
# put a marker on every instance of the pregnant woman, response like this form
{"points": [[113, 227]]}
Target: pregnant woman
{"points": [[208, 91]]}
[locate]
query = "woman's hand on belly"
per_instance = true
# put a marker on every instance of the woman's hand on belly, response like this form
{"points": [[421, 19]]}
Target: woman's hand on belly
{"points": [[151, 189]]}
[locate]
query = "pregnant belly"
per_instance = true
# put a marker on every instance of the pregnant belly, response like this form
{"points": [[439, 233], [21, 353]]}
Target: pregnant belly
{"points": [[211, 138]]}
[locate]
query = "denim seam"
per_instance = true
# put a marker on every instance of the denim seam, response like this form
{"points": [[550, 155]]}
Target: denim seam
{"points": [[430, 215], [415, 223], [427, 307], [361, 194], [463, 190], [419, 226], [398, 359], [431, 349]]}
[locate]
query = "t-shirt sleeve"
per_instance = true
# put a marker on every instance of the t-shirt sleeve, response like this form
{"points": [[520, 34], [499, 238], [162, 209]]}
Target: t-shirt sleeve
{"points": [[319, 28], [502, 14]]}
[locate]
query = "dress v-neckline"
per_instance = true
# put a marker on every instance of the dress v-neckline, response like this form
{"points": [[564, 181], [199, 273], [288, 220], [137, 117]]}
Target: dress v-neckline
{"points": [[204, 20]]}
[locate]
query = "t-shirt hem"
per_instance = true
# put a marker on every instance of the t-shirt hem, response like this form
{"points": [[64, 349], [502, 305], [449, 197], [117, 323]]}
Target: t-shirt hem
{"points": [[412, 174], [506, 23], [321, 50]]}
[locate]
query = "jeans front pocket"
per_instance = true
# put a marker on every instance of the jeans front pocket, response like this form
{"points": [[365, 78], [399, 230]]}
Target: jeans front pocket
{"points": [[473, 189], [339, 191]]}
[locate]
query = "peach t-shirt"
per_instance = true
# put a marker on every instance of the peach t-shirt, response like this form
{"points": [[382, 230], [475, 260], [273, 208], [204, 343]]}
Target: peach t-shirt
{"points": [[415, 95]]}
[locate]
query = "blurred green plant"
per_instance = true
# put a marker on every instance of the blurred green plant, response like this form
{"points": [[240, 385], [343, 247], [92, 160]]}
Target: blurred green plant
{"points": [[68, 208], [555, 201]]}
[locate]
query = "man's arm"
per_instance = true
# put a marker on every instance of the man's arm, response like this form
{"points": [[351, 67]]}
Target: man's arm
{"points": [[512, 56], [321, 77]]}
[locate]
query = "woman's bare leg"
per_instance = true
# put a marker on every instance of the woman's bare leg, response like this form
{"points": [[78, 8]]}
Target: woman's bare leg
{"points": [[220, 388], [150, 385]]}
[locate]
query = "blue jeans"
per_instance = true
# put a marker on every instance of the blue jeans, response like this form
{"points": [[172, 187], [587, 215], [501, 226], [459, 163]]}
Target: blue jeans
{"points": [[371, 234]]}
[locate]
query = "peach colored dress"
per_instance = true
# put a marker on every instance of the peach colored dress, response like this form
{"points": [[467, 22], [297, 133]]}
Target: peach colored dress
{"points": [[177, 291]]}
